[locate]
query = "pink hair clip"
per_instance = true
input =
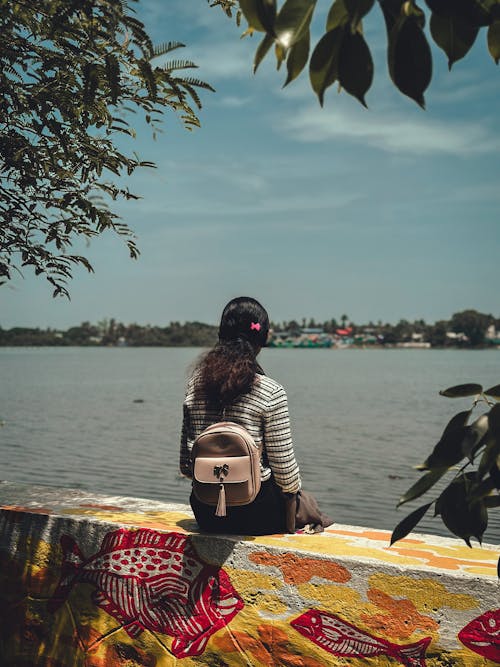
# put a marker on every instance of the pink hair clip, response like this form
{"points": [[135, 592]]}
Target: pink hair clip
{"points": [[255, 325]]}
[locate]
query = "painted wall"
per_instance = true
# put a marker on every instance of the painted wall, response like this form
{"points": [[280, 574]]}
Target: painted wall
{"points": [[97, 581]]}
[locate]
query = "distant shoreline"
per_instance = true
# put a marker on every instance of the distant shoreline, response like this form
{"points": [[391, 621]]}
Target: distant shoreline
{"points": [[466, 330], [362, 348]]}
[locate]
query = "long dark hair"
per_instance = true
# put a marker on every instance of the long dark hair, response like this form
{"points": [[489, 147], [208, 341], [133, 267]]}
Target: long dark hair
{"points": [[228, 370]]}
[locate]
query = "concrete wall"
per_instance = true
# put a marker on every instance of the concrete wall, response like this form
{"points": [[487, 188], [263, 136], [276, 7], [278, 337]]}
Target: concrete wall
{"points": [[99, 581]]}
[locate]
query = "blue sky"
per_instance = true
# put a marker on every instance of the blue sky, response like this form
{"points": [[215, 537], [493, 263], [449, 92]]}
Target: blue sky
{"points": [[385, 213]]}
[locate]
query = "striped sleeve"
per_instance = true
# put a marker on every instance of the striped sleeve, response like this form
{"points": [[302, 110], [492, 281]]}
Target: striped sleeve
{"points": [[278, 443], [185, 458]]}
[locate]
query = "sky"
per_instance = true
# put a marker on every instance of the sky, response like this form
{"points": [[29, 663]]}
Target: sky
{"points": [[384, 213]]}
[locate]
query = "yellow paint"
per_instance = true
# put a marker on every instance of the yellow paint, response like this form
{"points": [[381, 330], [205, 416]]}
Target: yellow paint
{"points": [[458, 551], [248, 581], [424, 593], [44, 553], [481, 571], [258, 590], [330, 597], [464, 658], [335, 547], [261, 643], [180, 522], [362, 543], [409, 553]]}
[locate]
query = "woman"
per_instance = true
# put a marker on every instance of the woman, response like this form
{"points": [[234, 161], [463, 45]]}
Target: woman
{"points": [[229, 384]]}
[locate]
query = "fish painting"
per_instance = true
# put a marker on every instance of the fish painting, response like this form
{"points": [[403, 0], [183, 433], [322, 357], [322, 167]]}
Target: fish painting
{"points": [[341, 638], [153, 581], [482, 635]]}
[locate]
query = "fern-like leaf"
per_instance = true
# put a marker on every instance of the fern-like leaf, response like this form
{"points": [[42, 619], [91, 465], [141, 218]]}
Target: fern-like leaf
{"points": [[199, 84], [149, 78], [194, 95], [113, 76], [178, 64], [141, 37], [166, 47]]}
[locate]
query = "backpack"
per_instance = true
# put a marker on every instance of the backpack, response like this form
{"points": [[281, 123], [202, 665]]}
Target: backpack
{"points": [[226, 466]]}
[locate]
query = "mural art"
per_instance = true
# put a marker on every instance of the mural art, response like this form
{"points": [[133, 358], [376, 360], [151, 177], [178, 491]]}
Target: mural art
{"points": [[82, 585], [345, 640], [153, 581], [482, 635]]}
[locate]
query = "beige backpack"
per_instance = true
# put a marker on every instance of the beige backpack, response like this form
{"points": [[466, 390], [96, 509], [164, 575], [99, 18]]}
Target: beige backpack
{"points": [[226, 466]]}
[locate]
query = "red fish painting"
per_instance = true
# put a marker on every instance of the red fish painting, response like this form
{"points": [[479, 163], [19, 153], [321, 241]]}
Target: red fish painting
{"points": [[154, 581], [482, 635], [343, 639]]}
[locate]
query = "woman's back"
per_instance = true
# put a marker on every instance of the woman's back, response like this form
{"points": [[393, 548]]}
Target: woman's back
{"points": [[263, 411]]}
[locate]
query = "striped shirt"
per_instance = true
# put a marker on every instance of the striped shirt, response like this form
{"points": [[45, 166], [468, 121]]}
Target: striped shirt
{"points": [[263, 412]]}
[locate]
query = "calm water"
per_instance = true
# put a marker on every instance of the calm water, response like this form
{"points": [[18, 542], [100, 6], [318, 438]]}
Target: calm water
{"points": [[361, 419]]}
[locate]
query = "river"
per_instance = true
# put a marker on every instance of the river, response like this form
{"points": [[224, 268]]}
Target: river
{"points": [[108, 420]]}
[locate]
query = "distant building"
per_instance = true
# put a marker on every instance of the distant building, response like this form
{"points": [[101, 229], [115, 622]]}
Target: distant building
{"points": [[492, 335]]}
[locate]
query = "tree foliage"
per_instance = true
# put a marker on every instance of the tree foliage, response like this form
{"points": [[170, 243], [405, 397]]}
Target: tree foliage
{"points": [[342, 54], [472, 442], [472, 324], [72, 72]]}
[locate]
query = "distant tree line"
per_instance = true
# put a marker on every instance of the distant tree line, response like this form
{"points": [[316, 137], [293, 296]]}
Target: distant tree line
{"points": [[468, 328], [113, 333]]}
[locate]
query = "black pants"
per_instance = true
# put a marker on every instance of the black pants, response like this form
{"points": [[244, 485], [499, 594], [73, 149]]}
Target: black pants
{"points": [[264, 516]]}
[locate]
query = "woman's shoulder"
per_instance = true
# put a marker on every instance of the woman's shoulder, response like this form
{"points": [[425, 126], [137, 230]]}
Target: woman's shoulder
{"points": [[268, 385]]}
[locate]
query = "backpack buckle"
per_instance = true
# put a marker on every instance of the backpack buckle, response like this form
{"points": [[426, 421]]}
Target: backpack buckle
{"points": [[220, 471]]}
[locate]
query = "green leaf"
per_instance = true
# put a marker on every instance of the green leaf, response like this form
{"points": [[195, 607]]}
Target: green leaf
{"points": [[293, 21], [408, 523], [355, 69], [494, 392], [337, 16], [323, 66], [262, 50], [149, 78], [453, 36], [480, 490], [462, 390], [166, 47], [474, 434], [297, 58], [90, 77], [494, 44], [409, 58], [410, 8], [422, 485], [495, 472], [448, 450], [280, 53], [472, 12], [113, 76], [462, 518], [260, 14], [392, 10]]}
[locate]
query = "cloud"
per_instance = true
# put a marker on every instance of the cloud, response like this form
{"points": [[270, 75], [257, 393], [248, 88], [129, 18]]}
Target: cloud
{"points": [[392, 133], [233, 102]]}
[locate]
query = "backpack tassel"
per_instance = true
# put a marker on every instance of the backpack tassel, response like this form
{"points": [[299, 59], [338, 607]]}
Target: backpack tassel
{"points": [[221, 504]]}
